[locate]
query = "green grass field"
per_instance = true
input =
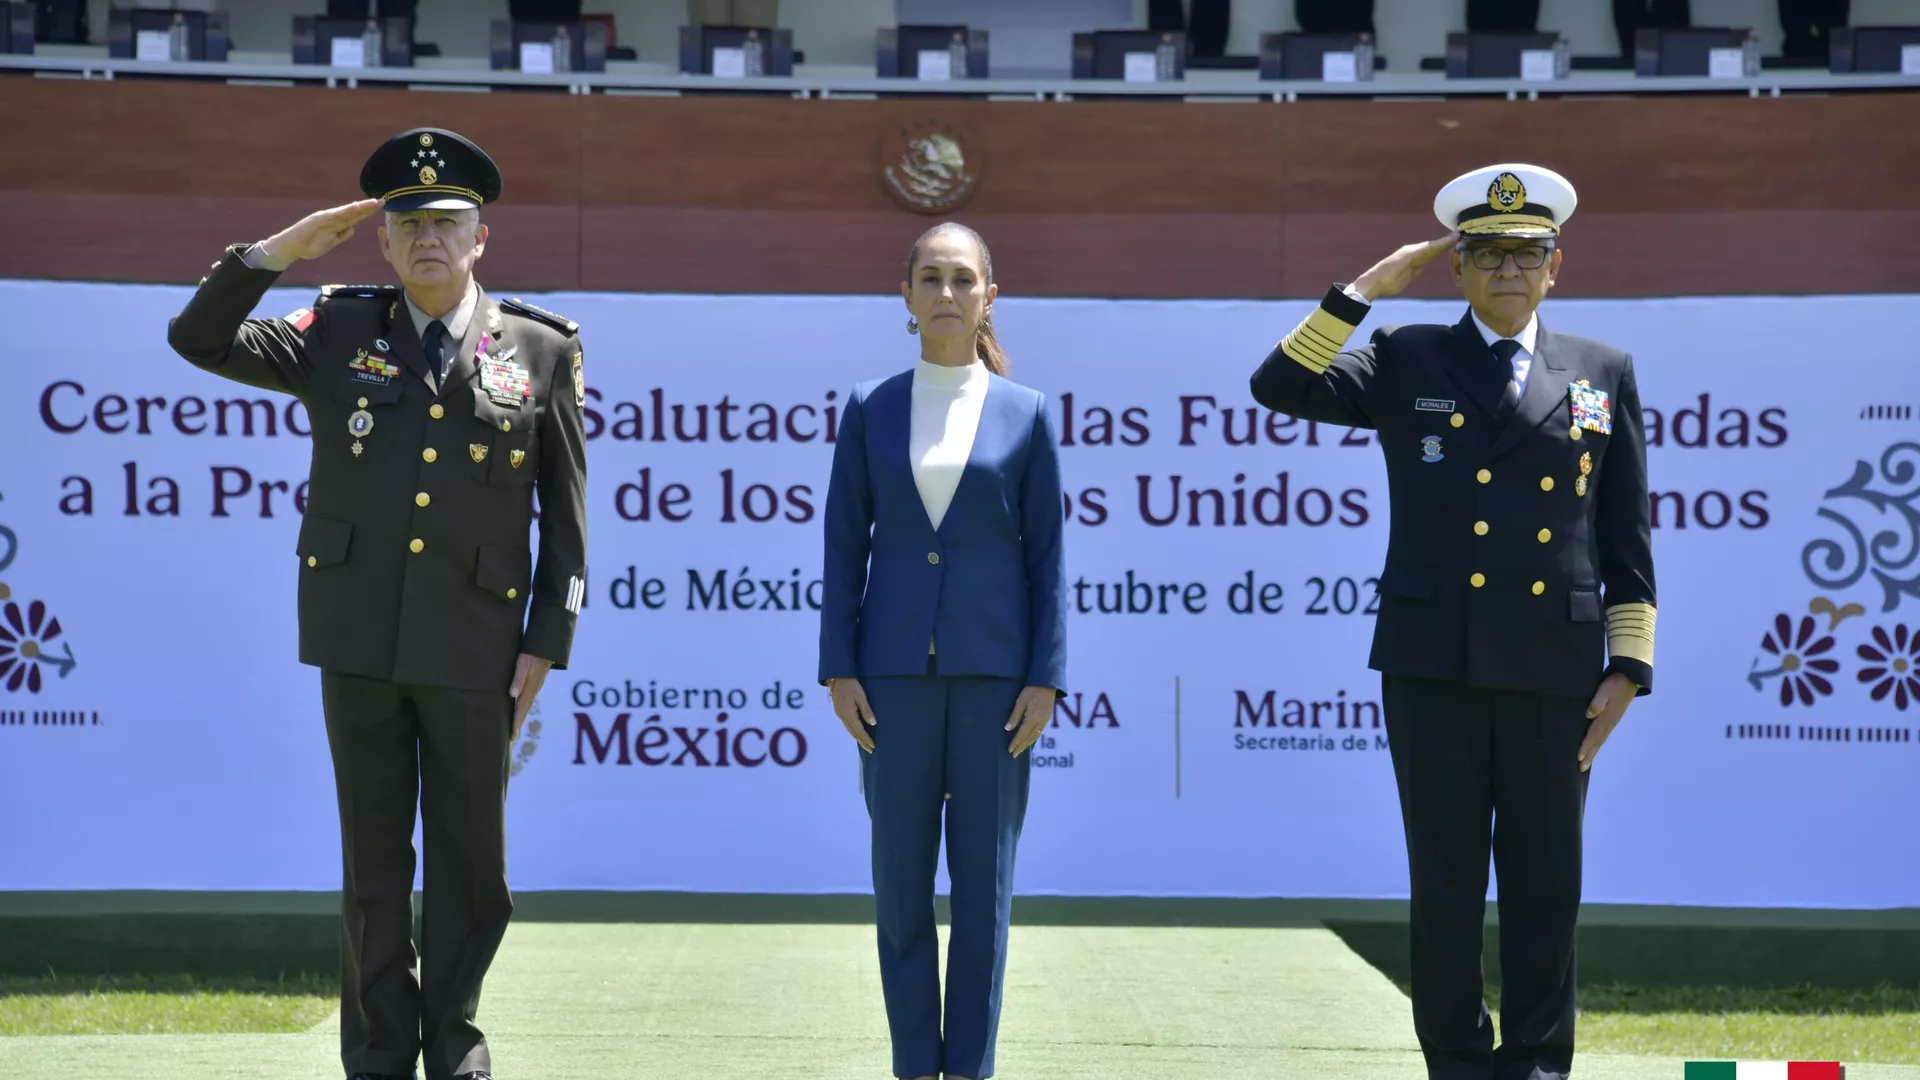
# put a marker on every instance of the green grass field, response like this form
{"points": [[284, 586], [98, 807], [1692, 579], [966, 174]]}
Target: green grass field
{"points": [[760, 998]]}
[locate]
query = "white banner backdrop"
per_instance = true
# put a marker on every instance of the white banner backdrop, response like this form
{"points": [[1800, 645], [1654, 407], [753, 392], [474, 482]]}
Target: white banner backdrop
{"points": [[1222, 737]]}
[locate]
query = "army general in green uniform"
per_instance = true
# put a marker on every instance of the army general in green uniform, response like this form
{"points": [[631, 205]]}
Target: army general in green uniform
{"points": [[437, 414]]}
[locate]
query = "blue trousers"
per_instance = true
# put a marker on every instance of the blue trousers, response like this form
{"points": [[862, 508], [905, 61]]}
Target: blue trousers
{"points": [[940, 750]]}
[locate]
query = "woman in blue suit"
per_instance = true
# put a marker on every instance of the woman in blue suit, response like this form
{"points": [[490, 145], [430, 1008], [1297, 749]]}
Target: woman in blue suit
{"points": [[942, 641]]}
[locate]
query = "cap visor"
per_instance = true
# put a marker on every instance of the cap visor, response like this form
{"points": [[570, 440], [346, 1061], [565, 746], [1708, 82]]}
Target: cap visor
{"points": [[429, 200], [1523, 232]]}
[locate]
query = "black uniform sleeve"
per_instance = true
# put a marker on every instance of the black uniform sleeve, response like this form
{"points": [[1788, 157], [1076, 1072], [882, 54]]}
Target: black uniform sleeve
{"points": [[1624, 529], [1312, 375], [213, 331], [560, 574]]}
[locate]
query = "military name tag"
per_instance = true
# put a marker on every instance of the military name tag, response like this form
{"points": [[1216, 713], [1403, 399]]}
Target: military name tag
{"points": [[1427, 404], [1591, 409], [372, 369]]}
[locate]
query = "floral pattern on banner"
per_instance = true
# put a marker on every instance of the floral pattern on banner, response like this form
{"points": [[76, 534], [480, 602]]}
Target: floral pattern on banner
{"points": [[27, 633], [1805, 668], [1877, 511], [1893, 665]]}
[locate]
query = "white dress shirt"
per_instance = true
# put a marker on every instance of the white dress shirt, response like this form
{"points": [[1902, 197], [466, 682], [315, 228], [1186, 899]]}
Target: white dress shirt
{"points": [[1523, 356]]}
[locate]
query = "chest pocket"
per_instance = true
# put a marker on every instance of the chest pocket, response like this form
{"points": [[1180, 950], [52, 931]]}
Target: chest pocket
{"points": [[501, 447]]}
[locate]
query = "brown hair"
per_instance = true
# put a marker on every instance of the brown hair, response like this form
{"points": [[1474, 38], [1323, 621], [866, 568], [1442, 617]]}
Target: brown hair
{"points": [[986, 342]]}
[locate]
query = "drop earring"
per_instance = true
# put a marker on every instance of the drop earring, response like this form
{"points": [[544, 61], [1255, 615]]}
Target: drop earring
{"points": [[913, 325]]}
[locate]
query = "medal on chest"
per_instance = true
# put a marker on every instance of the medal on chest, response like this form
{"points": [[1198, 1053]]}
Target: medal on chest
{"points": [[1592, 411], [501, 379]]}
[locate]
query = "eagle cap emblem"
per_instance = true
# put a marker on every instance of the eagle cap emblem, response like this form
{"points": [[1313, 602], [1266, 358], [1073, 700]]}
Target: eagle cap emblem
{"points": [[1506, 192]]}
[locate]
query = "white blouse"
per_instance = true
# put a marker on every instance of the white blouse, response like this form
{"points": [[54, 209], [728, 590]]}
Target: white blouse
{"points": [[947, 402]]}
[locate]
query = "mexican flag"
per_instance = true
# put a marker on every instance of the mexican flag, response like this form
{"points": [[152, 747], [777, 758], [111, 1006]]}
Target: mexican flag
{"points": [[1765, 1070]]}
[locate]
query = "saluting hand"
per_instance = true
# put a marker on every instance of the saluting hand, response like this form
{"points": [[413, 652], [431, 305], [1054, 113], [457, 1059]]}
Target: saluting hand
{"points": [[1397, 271], [317, 233], [1609, 704], [1030, 715], [529, 674], [850, 705]]}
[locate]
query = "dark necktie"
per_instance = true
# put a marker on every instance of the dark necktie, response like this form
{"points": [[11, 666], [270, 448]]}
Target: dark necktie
{"points": [[1503, 350], [436, 346]]}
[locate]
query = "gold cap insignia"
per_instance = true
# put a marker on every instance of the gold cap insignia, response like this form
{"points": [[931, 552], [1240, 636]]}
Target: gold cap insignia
{"points": [[426, 140], [1506, 192], [478, 451], [515, 457], [427, 175]]}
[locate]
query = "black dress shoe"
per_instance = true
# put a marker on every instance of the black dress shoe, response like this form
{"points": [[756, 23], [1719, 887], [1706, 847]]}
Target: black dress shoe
{"points": [[382, 1076], [474, 1076]]}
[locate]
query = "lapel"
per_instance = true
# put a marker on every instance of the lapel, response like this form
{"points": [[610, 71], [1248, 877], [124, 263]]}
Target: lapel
{"points": [[461, 365], [890, 411], [1546, 391], [1472, 367], [405, 341]]}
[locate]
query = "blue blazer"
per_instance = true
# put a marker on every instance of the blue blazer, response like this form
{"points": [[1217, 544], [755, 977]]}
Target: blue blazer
{"points": [[988, 588]]}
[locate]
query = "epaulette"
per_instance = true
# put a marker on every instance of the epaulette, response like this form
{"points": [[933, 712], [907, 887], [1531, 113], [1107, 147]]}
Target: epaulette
{"points": [[368, 292], [560, 323]]}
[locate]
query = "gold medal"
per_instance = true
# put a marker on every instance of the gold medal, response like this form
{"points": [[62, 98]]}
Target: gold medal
{"points": [[357, 448], [1580, 486], [1586, 464]]}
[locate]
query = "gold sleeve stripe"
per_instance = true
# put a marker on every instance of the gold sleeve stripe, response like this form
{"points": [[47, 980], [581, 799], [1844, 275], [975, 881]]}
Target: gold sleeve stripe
{"points": [[1630, 631], [1317, 340]]}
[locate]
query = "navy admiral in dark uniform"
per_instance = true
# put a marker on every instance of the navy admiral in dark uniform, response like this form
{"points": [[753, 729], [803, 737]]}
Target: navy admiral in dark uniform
{"points": [[437, 414], [1517, 605]]}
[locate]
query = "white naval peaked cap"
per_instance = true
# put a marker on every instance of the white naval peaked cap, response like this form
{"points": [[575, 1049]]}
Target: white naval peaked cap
{"points": [[1506, 200]]}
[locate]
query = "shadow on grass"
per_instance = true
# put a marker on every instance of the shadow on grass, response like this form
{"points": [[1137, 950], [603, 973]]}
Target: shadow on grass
{"points": [[1666, 969], [267, 949], [58, 984]]}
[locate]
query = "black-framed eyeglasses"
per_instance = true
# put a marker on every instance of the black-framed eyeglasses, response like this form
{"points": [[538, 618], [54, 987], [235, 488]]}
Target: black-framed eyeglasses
{"points": [[1491, 257]]}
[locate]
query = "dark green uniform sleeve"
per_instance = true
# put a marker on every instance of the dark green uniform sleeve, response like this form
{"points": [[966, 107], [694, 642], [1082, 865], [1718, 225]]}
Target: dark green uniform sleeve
{"points": [[560, 575], [1311, 374], [213, 331], [1623, 528]]}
